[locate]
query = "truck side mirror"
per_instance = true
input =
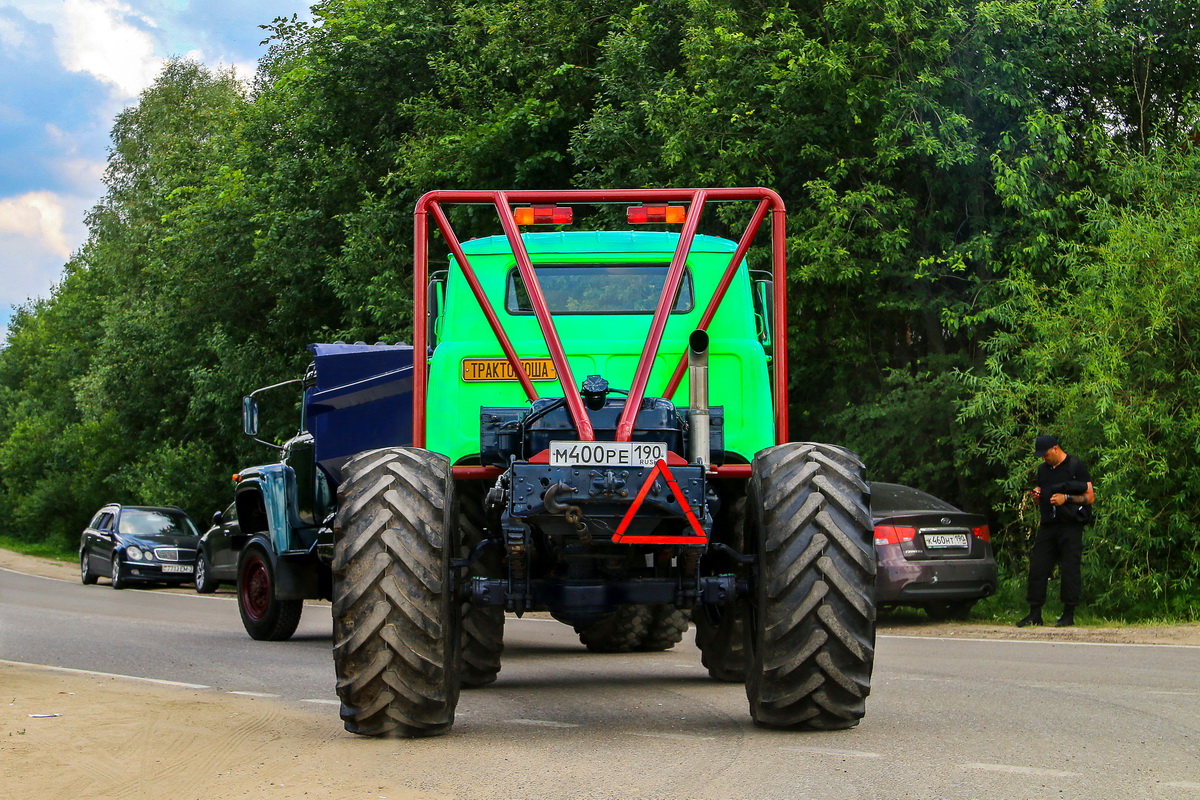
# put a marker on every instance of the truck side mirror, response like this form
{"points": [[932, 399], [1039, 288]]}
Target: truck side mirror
{"points": [[435, 298], [249, 416], [764, 294]]}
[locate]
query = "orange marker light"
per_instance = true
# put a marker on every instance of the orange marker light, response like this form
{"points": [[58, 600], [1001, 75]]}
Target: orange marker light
{"points": [[543, 215], [638, 215]]}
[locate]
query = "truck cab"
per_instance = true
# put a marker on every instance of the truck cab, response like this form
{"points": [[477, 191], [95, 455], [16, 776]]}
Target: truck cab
{"points": [[602, 288]]}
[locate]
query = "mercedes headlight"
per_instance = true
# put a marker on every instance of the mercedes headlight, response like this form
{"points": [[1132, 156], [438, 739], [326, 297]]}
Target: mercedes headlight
{"points": [[134, 553]]}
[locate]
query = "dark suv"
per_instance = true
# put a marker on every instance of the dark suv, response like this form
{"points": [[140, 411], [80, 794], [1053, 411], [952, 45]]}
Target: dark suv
{"points": [[138, 544]]}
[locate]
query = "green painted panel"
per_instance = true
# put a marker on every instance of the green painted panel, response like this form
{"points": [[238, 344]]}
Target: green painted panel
{"points": [[605, 344]]}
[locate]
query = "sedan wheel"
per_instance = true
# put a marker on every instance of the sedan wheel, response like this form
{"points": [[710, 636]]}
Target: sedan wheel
{"points": [[204, 580], [942, 610], [119, 581], [85, 573]]}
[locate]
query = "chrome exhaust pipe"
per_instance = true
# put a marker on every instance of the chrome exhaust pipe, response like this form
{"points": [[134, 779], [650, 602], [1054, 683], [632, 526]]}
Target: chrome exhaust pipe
{"points": [[698, 417]]}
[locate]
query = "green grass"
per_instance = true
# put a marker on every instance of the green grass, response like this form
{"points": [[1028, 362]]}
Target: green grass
{"points": [[42, 549]]}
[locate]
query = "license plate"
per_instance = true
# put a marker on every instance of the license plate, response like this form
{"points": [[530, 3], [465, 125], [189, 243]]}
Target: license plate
{"points": [[941, 540], [176, 567], [607, 454]]}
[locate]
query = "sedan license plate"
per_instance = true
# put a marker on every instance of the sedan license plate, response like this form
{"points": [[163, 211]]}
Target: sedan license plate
{"points": [[945, 540], [176, 567], [607, 454]]}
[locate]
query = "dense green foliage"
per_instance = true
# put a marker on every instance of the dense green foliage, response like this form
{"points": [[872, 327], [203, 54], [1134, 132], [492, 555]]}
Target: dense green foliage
{"points": [[991, 218]]}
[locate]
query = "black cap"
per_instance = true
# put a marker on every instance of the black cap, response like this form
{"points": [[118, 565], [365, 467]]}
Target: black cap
{"points": [[1044, 443]]}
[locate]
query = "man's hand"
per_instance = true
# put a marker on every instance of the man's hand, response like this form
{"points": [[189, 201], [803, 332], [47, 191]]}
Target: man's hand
{"points": [[1058, 499], [1036, 493]]}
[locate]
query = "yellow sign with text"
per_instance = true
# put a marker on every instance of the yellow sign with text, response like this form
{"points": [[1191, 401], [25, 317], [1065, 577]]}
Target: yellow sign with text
{"points": [[498, 369]]}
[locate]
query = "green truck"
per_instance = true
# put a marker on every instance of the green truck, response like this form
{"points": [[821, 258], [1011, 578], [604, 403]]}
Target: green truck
{"points": [[597, 429]]}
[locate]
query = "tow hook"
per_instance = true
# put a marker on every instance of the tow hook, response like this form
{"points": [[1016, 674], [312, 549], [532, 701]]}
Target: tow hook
{"points": [[572, 514]]}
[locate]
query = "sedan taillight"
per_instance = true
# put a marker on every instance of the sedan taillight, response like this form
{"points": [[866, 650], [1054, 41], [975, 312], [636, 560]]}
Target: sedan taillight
{"points": [[982, 532], [893, 534]]}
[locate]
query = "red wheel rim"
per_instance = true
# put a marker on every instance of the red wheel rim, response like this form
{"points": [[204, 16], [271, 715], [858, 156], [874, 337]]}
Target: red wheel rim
{"points": [[255, 588]]}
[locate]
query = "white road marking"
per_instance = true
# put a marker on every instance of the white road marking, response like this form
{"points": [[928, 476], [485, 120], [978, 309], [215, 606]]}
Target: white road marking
{"points": [[545, 723], [322, 701], [1017, 770], [829, 751], [688, 737], [107, 675], [1177, 694], [255, 694]]}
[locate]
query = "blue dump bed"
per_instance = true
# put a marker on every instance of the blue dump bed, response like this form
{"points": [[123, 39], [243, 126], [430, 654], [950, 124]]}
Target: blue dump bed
{"points": [[362, 400]]}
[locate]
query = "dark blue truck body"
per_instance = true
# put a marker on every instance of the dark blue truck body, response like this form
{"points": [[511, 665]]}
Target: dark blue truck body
{"points": [[361, 400], [357, 397]]}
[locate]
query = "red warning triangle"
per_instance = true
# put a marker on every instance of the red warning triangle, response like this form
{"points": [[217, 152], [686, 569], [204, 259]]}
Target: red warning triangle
{"points": [[660, 468]]}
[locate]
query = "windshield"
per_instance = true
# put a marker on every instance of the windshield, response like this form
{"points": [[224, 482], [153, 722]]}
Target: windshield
{"points": [[138, 522], [598, 289]]}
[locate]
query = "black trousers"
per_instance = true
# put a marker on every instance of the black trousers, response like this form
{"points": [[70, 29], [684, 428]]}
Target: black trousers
{"points": [[1062, 545]]}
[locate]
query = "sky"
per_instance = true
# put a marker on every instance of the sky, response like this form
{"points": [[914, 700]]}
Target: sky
{"points": [[67, 68]]}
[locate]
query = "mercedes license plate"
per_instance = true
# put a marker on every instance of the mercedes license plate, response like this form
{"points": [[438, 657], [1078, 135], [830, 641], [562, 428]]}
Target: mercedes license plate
{"points": [[607, 454], [945, 540], [176, 567]]}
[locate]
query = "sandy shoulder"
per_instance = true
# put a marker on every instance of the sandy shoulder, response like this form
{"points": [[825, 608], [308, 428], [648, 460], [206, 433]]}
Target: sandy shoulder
{"points": [[71, 735]]}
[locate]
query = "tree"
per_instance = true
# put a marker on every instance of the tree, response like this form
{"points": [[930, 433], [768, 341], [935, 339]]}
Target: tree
{"points": [[1108, 361]]}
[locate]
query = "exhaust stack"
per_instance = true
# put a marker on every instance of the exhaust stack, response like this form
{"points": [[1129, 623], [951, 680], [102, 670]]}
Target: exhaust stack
{"points": [[698, 440]]}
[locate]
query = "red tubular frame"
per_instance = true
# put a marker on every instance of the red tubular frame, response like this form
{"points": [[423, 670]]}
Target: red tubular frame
{"points": [[510, 352], [432, 202], [715, 301], [583, 424], [666, 300]]}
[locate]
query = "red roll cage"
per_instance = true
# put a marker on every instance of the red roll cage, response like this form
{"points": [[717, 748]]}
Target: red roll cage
{"points": [[433, 203]]}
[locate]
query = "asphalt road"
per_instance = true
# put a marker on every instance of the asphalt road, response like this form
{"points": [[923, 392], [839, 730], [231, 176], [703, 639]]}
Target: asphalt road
{"points": [[947, 718]]}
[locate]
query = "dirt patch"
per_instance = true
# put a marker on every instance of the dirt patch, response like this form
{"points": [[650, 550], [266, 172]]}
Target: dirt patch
{"points": [[1132, 634], [84, 736]]}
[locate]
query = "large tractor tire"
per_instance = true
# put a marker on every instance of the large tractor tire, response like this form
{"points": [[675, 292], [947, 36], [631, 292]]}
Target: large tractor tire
{"points": [[622, 631], [482, 626], [641, 628], [811, 626], [721, 637], [667, 626], [721, 629], [396, 620]]}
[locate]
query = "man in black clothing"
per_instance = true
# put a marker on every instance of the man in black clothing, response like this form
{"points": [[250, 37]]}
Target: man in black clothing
{"points": [[1064, 494]]}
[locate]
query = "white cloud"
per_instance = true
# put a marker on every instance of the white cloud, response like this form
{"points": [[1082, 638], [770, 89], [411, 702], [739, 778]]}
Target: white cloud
{"points": [[99, 37], [11, 37], [38, 232], [37, 216]]}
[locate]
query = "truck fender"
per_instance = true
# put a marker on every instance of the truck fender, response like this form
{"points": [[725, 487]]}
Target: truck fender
{"points": [[275, 486], [296, 577]]}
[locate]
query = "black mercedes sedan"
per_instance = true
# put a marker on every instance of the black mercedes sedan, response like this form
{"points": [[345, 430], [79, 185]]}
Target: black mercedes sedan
{"points": [[138, 544], [930, 554]]}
